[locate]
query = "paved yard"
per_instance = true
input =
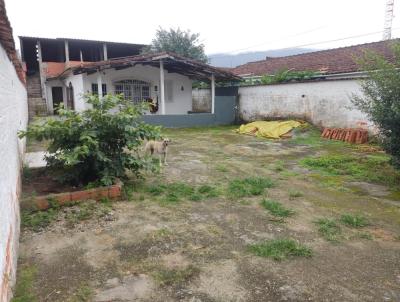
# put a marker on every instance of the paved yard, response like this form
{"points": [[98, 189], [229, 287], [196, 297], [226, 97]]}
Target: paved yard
{"points": [[202, 229]]}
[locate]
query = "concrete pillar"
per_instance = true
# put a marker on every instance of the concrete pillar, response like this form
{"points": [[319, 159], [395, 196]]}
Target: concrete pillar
{"points": [[99, 85], [212, 94], [42, 76], [162, 88], [105, 55], [66, 51], [39, 50]]}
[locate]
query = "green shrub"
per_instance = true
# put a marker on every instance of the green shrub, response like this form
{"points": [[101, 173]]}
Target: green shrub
{"points": [[96, 145], [380, 98]]}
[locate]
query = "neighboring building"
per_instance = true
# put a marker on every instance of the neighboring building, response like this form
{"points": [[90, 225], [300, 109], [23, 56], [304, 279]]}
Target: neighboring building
{"points": [[63, 70], [165, 79], [331, 63], [324, 100], [46, 58]]}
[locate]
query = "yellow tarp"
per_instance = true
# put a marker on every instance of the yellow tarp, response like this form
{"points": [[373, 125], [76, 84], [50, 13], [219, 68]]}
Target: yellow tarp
{"points": [[274, 129]]}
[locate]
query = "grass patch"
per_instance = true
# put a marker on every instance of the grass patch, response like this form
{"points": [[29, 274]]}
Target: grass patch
{"points": [[221, 168], [280, 249], [24, 287], [276, 208], [168, 277], [83, 294], [354, 221], [279, 166], [208, 191], [251, 186], [87, 210], [370, 168], [295, 194], [329, 229], [178, 191], [366, 236], [38, 220]]}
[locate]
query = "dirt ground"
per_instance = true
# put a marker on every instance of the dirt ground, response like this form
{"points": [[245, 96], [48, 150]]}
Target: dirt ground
{"points": [[156, 247]]}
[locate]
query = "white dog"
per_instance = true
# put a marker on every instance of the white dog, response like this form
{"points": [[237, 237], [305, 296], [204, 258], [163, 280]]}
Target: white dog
{"points": [[158, 147]]}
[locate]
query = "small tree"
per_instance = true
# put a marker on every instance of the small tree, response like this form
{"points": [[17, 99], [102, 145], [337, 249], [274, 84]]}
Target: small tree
{"points": [[381, 98], [96, 145], [183, 43]]}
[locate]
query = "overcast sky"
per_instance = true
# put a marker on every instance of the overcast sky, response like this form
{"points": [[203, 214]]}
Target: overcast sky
{"points": [[224, 26]]}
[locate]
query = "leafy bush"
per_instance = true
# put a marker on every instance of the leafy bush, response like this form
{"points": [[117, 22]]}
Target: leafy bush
{"points": [[285, 75], [380, 100], [96, 145]]}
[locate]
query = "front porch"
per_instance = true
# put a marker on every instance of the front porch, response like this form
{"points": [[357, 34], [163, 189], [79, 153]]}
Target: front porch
{"points": [[163, 79]]}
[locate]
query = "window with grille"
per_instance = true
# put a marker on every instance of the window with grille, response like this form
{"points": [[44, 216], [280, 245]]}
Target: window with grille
{"points": [[133, 90], [95, 88]]}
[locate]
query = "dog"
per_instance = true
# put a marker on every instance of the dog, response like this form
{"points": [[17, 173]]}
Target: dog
{"points": [[158, 147]]}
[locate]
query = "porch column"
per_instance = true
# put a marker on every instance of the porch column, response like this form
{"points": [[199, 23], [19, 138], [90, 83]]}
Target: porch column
{"points": [[162, 92], [99, 85], [212, 94], [105, 55], [66, 52]]}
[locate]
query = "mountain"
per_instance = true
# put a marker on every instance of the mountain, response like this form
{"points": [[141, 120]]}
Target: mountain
{"points": [[229, 60]]}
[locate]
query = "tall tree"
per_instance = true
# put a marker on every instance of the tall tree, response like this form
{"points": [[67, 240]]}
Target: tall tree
{"points": [[184, 43], [381, 98]]}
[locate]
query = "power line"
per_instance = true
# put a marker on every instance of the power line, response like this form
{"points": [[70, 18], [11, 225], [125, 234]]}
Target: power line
{"points": [[277, 40], [320, 42]]}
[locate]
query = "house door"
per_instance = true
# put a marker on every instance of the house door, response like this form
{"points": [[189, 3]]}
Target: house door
{"points": [[58, 99], [70, 97]]}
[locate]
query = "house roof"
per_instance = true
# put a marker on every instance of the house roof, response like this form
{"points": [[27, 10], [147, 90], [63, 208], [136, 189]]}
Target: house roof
{"points": [[331, 61], [173, 63], [77, 40], [7, 41]]}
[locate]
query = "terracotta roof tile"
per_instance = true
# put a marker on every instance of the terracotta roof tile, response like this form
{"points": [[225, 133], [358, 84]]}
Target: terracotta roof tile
{"points": [[7, 41], [331, 61]]}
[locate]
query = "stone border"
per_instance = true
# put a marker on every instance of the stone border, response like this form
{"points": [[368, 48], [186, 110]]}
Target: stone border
{"points": [[45, 202]]}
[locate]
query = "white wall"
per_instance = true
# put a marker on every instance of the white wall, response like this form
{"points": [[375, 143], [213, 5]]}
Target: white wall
{"points": [[77, 82], [201, 100], [49, 94], [324, 103], [180, 103], [13, 117]]}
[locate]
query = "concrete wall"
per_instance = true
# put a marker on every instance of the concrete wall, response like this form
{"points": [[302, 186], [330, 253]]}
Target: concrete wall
{"points": [[224, 115], [201, 100], [177, 101], [324, 103], [13, 117]]}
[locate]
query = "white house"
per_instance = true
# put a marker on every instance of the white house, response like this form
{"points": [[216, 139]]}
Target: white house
{"points": [[165, 79]]}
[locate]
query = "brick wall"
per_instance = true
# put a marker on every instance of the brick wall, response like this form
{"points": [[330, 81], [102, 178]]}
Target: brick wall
{"points": [[13, 117]]}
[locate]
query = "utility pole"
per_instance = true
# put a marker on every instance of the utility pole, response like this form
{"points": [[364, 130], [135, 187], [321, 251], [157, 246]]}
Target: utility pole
{"points": [[387, 28]]}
